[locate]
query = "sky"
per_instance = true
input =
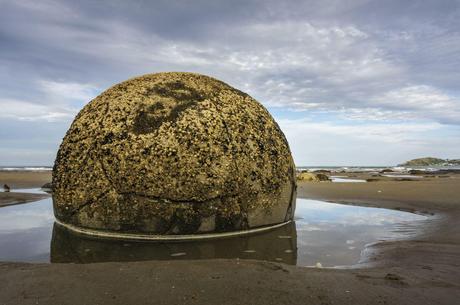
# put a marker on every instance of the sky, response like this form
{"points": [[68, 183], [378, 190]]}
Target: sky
{"points": [[350, 82]]}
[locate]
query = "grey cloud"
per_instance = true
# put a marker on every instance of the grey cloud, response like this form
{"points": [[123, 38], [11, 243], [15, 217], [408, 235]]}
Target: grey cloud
{"points": [[361, 59], [325, 55], [365, 60]]}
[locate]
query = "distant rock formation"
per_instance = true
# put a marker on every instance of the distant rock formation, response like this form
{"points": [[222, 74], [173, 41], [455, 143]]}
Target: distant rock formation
{"points": [[430, 161], [174, 153]]}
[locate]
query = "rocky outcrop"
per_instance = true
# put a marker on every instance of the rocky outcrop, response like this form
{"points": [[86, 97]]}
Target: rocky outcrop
{"points": [[47, 186], [312, 177], [174, 153], [430, 161], [418, 172]]}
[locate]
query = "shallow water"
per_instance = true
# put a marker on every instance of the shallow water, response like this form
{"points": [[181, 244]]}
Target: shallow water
{"points": [[403, 176], [326, 233], [345, 179], [28, 191]]}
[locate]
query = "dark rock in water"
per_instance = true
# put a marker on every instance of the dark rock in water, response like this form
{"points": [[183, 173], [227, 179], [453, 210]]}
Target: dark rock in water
{"points": [[322, 177], [373, 180], [174, 153], [48, 186], [387, 170], [417, 172], [6, 188]]}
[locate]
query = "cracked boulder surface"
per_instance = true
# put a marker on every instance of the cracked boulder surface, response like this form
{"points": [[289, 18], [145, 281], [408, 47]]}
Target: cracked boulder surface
{"points": [[174, 153]]}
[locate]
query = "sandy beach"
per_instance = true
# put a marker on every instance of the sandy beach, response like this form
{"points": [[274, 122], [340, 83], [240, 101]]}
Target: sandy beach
{"points": [[25, 179], [230, 152], [424, 270], [21, 180]]}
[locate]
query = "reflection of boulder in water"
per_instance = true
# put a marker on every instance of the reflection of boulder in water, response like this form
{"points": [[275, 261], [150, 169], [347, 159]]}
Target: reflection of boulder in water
{"points": [[275, 245]]}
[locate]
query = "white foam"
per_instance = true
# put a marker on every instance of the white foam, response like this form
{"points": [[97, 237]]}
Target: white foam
{"points": [[26, 168]]}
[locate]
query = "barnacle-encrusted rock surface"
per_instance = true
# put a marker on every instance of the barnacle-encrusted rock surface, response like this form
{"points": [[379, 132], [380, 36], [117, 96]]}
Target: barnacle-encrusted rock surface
{"points": [[174, 153]]}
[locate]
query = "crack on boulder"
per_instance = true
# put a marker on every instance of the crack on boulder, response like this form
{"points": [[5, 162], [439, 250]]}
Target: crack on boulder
{"points": [[293, 198], [106, 176], [87, 203], [167, 200]]}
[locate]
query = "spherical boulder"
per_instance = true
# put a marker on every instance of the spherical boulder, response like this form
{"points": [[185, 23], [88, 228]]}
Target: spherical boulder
{"points": [[173, 153]]}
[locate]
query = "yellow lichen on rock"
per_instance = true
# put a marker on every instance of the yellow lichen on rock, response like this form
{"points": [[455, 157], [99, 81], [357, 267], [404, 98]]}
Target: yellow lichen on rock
{"points": [[169, 153], [312, 177]]}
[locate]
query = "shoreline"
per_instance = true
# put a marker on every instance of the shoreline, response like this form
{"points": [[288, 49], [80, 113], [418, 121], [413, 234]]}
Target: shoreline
{"points": [[13, 198], [21, 180], [420, 270]]}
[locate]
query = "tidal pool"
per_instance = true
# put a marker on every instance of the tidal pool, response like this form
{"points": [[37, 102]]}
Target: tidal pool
{"points": [[326, 233], [345, 179]]}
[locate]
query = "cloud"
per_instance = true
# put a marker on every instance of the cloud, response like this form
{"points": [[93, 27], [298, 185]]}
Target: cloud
{"points": [[328, 63], [56, 101], [425, 101], [26, 111], [62, 91], [332, 141], [382, 133]]}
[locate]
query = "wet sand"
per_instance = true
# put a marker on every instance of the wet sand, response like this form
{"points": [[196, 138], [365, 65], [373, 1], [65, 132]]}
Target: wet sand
{"points": [[22, 179], [9, 198], [425, 270], [433, 194]]}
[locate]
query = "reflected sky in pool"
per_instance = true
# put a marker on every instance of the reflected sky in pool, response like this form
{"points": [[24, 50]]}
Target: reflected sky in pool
{"points": [[335, 234], [326, 233], [345, 179]]}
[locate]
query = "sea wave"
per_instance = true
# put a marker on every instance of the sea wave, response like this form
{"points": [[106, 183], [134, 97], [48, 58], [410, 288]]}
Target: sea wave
{"points": [[26, 168], [374, 169]]}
